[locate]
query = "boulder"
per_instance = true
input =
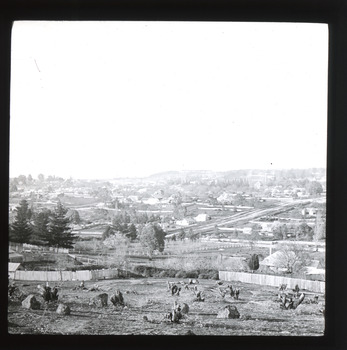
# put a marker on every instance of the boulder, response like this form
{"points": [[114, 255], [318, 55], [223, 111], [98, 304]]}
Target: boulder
{"points": [[30, 302], [63, 309], [100, 300], [230, 311], [185, 308]]}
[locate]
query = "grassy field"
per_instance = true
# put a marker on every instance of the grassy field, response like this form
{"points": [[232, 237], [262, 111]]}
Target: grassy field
{"points": [[148, 301]]}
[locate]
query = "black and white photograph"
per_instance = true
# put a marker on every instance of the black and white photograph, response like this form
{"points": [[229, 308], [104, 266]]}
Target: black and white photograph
{"points": [[168, 178]]}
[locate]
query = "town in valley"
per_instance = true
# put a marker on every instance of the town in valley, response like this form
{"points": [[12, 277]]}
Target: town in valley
{"points": [[239, 252]]}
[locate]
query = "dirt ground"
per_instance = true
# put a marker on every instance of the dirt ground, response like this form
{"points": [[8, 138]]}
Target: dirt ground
{"points": [[148, 301]]}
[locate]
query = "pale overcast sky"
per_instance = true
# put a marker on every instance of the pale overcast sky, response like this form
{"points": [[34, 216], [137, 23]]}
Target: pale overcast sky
{"points": [[108, 99]]}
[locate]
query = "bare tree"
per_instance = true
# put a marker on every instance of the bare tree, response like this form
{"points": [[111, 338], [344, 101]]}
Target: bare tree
{"points": [[292, 258]]}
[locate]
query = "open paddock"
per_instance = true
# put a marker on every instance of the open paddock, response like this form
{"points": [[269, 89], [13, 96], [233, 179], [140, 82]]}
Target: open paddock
{"points": [[148, 301]]}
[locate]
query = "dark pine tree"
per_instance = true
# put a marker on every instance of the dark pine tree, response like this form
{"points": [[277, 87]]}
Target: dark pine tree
{"points": [[41, 234], [131, 232], [60, 231], [21, 230], [254, 262]]}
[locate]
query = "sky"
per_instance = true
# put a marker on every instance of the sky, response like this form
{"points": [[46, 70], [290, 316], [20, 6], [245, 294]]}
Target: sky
{"points": [[110, 99]]}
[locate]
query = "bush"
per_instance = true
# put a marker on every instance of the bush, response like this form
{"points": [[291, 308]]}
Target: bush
{"points": [[192, 274], [181, 274], [140, 269], [163, 274], [209, 274], [171, 273], [147, 273]]}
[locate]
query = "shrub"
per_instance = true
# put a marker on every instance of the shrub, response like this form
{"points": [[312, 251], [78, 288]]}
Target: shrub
{"points": [[181, 274], [163, 274], [171, 273], [147, 273], [192, 274], [140, 269]]}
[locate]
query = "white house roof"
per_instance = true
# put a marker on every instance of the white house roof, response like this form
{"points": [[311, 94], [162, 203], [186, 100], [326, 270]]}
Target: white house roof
{"points": [[272, 260], [12, 267], [314, 271]]}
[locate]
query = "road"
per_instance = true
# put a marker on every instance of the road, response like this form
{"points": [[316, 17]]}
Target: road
{"points": [[243, 216]]}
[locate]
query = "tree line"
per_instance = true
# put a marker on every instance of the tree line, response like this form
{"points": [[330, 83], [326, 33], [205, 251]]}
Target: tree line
{"points": [[46, 227]]}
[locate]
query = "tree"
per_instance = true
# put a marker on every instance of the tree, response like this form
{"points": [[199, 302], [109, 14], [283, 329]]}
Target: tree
{"points": [[254, 262], [21, 230], [277, 231], [303, 231], [13, 187], [75, 217], [191, 235], [131, 232], [41, 177], [314, 188], [109, 231], [41, 232], [59, 229], [291, 258], [22, 179], [30, 179], [319, 231], [182, 234], [151, 237]]}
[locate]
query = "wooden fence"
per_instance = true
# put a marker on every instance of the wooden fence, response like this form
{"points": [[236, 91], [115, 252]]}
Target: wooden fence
{"points": [[83, 275], [271, 280]]}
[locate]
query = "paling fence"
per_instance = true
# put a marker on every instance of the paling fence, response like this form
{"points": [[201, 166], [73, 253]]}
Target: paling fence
{"points": [[271, 280], [83, 275]]}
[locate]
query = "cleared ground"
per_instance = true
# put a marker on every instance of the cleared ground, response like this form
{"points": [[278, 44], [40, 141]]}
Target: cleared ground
{"points": [[260, 311]]}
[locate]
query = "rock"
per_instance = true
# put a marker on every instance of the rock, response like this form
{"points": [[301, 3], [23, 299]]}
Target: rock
{"points": [[100, 300], [63, 309], [185, 308], [230, 311], [30, 302]]}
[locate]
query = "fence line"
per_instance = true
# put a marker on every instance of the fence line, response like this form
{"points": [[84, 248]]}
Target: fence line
{"points": [[81, 275], [271, 280]]}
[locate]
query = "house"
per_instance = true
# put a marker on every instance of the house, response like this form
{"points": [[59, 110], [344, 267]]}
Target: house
{"points": [[276, 261], [246, 230], [151, 201], [309, 211], [202, 217], [314, 271], [185, 222], [12, 268]]}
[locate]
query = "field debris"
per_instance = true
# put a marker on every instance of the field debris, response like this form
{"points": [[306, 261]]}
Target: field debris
{"points": [[117, 298], [229, 311], [15, 293], [176, 314], [63, 309], [175, 290], [100, 300], [291, 303], [30, 302], [47, 293], [193, 281], [199, 297], [288, 300], [184, 308], [94, 288]]}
